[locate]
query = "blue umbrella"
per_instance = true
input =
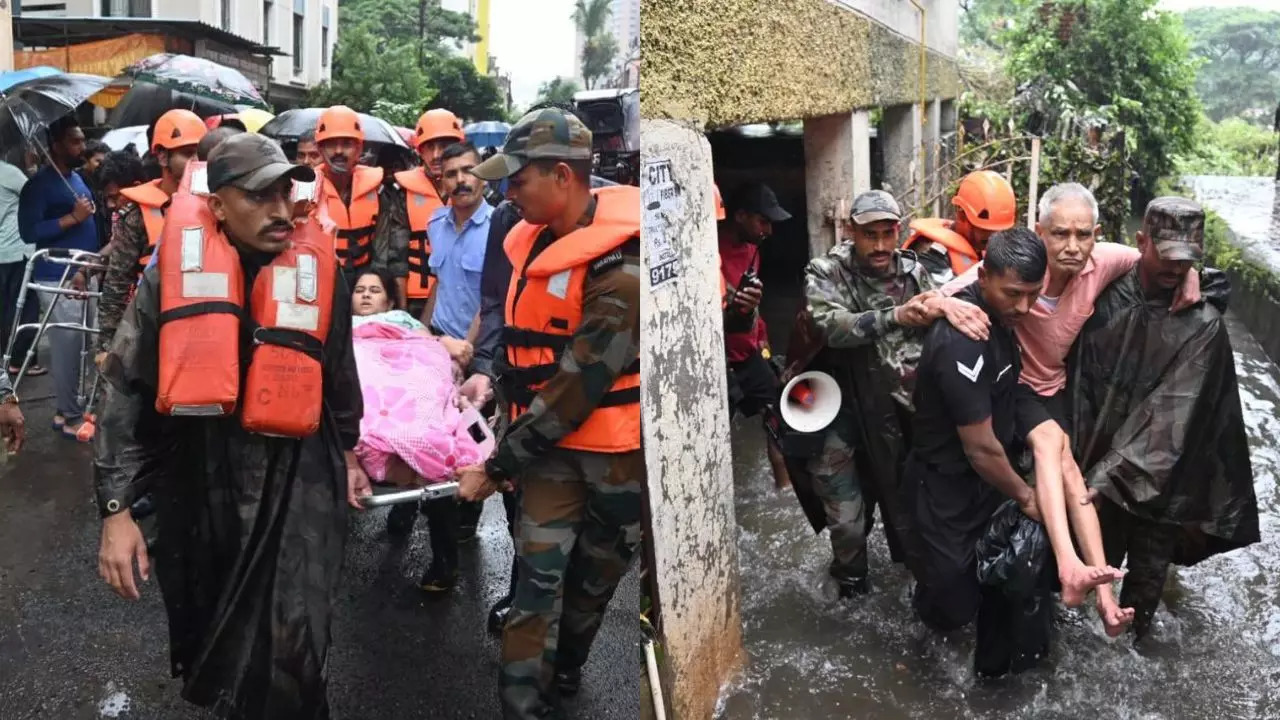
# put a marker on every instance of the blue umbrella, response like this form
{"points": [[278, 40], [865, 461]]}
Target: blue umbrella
{"points": [[13, 77], [489, 133]]}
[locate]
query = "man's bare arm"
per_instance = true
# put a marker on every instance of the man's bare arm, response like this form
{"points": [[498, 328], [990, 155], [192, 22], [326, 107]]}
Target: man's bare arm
{"points": [[988, 458]]}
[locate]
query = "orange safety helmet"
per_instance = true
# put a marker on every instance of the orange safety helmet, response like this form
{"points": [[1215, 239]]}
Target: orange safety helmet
{"points": [[987, 200], [339, 121], [435, 124], [720, 214], [177, 128]]}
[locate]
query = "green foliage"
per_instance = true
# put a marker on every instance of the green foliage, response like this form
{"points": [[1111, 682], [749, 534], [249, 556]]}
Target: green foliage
{"points": [[982, 22], [599, 48], [368, 68], [1231, 147], [558, 90], [1240, 52], [393, 60], [1123, 54], [462, 90]]}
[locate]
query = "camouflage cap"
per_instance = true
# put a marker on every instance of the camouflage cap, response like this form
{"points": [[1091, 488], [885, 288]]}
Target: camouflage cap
{"points": [[550, 134], [874, 205], [1176, 225]]}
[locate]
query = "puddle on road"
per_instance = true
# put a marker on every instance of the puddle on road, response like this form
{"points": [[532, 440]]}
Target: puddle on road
{"points": [[114, 704], [1216, 656]]}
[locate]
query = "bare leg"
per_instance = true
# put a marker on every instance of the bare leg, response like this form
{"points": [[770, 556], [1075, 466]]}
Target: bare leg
{"points": [[1088, 532], [1047, 443], [781, 479]]}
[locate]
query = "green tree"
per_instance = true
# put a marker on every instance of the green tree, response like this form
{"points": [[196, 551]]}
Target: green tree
{"points": [[982, 22], [1121, 54], [462, 90], [410, 20], [1240, 50], [367, 68], [558, 90], [599, 48]]}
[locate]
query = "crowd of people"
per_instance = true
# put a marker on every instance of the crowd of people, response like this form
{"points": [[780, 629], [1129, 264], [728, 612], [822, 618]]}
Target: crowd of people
{"points": [[276, 337], [984, 369]]}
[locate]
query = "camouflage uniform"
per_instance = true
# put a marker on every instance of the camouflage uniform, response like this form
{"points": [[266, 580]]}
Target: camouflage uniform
{"points": [[580, 512], [128, 242], [853, 309]]}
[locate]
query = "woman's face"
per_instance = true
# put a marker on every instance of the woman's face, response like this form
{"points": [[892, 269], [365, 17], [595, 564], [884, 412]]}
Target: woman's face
{"points": [[369, 297]]}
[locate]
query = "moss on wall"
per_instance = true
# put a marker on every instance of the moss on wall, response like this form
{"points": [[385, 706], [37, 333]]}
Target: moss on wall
{"points": [[728, 62]]}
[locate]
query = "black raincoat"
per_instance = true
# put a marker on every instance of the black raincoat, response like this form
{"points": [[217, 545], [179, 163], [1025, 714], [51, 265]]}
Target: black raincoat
{"points": [[1158, 427], [250, 529]]}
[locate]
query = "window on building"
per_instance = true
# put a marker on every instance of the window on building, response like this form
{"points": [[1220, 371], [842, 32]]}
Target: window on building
{"points": [[126, 8], [226, 15], [324, 37], [298, 23], [266, 21]]}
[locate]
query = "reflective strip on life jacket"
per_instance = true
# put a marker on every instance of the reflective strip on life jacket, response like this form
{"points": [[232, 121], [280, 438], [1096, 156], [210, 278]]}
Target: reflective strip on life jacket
{"points": [[421, 200], [355, 223], [959, 250], [544, 309]]}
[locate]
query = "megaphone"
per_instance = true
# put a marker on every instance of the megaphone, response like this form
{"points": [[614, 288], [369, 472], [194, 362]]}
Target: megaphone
{"points": [[810, 402]]}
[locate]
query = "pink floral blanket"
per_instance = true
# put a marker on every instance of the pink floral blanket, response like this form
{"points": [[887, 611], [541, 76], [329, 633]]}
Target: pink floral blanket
{"points": [[408, 387]]}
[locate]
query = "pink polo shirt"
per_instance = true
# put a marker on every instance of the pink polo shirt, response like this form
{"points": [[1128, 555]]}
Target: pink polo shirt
{"points": [[1046, 334]]}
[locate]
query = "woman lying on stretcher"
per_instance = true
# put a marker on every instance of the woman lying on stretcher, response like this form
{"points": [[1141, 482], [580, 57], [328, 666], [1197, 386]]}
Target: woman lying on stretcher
{"points": [[416, 428]]}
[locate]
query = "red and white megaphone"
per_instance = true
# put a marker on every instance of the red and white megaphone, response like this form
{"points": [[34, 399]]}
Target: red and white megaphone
{"points": [[810, 401]]}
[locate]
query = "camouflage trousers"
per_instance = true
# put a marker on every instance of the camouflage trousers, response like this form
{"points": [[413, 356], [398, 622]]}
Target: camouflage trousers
{"points": [[836, 483], [579, 529], [1149, 546]]}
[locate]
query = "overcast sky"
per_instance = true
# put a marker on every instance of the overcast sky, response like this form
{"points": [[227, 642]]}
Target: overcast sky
{"points": [[532, 41], [1180, 5]]}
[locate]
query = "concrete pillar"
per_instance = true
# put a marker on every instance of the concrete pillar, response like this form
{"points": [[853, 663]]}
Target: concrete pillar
{"points": [[6, 35], [933, 153], [900, 138], [837, 166], [685, 421]]}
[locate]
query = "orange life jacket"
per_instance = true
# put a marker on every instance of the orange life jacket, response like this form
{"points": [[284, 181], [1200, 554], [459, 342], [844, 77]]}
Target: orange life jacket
{"points": [[151, 201], [202, 304], [422, 200], [544, 309], [357, 222], [959, 250]]}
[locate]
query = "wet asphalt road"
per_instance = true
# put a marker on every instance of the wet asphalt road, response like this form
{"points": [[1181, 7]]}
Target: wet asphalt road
{"points": [[71, 650]]}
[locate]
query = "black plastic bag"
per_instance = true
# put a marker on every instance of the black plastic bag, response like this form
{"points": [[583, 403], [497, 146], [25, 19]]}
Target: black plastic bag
{"points": [[1016, 571]]}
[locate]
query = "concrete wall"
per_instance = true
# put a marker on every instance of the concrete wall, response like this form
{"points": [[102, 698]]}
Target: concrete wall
{"points": [[686, 428], [941, 20], [726, 62]]}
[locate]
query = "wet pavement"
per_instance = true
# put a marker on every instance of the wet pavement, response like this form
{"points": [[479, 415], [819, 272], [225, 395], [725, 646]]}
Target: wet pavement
{"points": [[1214, 656], [1252, 207], [71, 650]]}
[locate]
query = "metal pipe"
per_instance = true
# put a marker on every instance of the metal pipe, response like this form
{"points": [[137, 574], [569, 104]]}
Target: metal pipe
{"points": [[923, 85], [427, 492], [655, 683]]}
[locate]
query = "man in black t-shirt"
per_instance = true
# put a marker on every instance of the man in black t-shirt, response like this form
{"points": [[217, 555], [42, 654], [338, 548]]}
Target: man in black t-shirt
{"points": [[971, 417]]}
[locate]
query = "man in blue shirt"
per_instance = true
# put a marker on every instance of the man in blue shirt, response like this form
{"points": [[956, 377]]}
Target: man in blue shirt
{"points": [[56, 211], [458, 233]]}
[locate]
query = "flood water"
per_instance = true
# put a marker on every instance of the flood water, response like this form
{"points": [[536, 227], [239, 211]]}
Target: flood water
{"points": [[1253, 206], [1214, 653]]}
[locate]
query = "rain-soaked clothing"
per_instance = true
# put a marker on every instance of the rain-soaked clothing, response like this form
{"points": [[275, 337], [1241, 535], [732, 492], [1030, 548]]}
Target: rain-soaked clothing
{"points": [[250, 529], [579, 520], [1160, 432], [847, 331]]}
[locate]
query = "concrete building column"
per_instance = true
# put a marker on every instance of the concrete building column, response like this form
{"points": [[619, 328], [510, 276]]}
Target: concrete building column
{"points": [[693, 532], [6, 35], [837, 166], [900, 137]]}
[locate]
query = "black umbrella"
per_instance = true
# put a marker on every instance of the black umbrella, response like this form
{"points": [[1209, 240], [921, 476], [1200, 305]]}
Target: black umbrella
{"points": [[289, 125], [144, 102], [32, 105]]}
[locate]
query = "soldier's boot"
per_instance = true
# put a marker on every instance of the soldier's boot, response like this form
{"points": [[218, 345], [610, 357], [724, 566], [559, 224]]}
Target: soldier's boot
{"points": [[849, 584], [568, 681]]}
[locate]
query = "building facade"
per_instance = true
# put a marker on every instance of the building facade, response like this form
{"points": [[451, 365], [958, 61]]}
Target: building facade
{"points": [[304, 30]]}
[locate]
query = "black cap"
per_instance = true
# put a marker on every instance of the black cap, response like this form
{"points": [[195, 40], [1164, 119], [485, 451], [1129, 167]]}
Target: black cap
{"points": [[756, 197], [252, 162]]}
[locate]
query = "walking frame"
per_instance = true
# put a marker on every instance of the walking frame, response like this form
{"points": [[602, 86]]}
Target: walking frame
{"points": [[72, 260]]}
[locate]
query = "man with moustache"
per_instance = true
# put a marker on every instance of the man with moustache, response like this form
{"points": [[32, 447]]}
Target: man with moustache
{"points": [[457, 235], [250, 527], [308, 152], [372, 228], [1158, 424]]}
